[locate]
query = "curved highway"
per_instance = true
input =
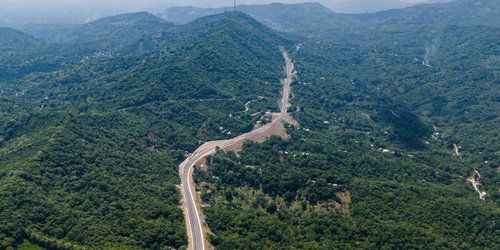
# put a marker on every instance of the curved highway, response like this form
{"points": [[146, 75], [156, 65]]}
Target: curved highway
{"points": [[197, 241]]}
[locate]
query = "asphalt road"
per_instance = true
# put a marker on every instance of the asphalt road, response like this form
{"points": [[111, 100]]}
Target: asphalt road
{"points": [[187, 167]]}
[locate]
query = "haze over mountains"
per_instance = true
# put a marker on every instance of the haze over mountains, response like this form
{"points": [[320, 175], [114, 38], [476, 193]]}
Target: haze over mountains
{"points": [[394, 143], [467, 12], [21, 12]]}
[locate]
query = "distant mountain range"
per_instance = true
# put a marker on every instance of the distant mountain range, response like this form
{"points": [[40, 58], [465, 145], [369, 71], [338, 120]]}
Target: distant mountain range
{"points": [[95, 119], [317, 21], [460, 12], [370, 6], [18, 14], [143, 32], [123, 27], [310, 16]]}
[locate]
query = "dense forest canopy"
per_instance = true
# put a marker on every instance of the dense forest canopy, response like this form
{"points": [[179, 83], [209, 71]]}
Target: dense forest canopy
{"points": [[397, 111], [90, 151]]}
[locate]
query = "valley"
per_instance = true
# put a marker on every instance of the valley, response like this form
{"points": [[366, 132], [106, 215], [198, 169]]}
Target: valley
{"points": [[172, 129]]}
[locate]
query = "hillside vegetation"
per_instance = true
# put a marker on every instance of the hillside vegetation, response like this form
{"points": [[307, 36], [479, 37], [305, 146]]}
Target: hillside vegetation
{"points": [[398, 114], [372, 165], [95, 147], [313, 20]]}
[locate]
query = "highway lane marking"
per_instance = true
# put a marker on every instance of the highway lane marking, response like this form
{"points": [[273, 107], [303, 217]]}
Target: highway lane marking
{"points": [[197, 156]]}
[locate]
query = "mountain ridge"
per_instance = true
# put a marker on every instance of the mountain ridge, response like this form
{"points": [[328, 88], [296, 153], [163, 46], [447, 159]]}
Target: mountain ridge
{"points": [[129, 26], [83, 139], [397, 118], [459, 12], [316, 20]]}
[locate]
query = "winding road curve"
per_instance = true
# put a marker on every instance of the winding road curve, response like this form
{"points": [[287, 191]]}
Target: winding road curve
{"points": [[193, 212]]}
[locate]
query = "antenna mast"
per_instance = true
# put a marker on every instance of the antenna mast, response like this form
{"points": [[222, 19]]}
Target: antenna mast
{"points": [[234, 5]]}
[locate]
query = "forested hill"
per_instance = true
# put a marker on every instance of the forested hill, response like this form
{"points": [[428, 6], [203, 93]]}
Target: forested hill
{"points": [[66, 45], [95, 147], [119, 28], [12, 40], [272, 12], [276, 15], [398, 116], [127, 34], [315, 20], [195, 63], [220, 23], [459, 12], [292, 18], [14, 44]]}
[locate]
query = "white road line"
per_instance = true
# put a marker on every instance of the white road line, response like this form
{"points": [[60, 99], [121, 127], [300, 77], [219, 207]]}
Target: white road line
{"points": [[186, 177]]}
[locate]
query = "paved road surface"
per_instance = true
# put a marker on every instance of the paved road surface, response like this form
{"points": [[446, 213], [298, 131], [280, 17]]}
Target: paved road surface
{"points": [[186, 169]]}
